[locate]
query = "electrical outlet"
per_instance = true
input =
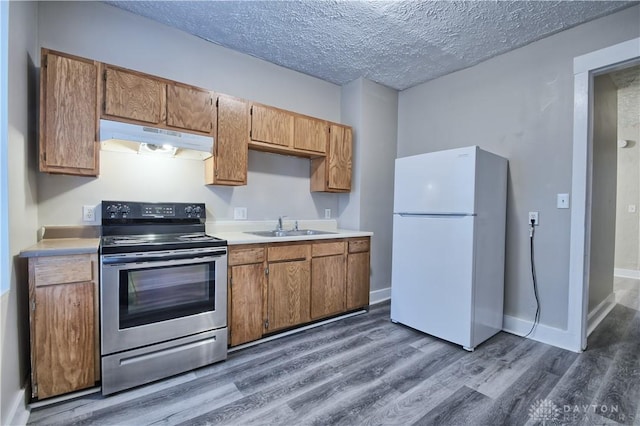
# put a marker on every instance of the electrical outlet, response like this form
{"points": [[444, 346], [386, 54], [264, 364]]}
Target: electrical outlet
{"points": [[240, 213], [327, 213], [533, 216], [89, 213], [562, 201]]}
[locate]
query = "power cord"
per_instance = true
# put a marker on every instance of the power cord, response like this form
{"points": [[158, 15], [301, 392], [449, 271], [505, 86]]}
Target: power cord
{"points": [[536, 319]]}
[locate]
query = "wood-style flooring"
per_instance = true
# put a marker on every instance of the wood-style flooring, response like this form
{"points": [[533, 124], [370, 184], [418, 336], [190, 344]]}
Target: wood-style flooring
{"points": [[365, 370]]}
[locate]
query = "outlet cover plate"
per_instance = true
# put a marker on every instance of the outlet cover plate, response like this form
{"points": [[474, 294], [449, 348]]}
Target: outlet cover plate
{"points": [[239, 213]]}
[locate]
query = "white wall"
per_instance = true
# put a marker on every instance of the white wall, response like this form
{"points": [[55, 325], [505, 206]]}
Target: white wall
{"points": [[22, 193], [603, 190], [277, 185], [627, 254], [372, 110], [518, 105]]}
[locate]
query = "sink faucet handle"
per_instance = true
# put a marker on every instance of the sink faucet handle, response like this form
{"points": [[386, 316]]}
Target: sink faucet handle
{"points": [[295, 226]]}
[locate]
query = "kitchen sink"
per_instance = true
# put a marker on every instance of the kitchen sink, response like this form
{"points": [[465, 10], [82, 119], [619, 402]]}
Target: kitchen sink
{"points": [[289, 233]]}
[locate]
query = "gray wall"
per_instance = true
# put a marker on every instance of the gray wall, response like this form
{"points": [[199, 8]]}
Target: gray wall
{"points": [[22, 195], [603, 190], [518, 105], [277, 184], [372, 110], [627, 224]]}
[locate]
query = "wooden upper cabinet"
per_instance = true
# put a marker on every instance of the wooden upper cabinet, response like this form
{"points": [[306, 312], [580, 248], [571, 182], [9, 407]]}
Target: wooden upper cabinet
{"points": [[228, 166], [190, 108], [271, 125], [310, 134], [140, 98], [134, 96], [333, 172], [285, 132], [68, 115]]}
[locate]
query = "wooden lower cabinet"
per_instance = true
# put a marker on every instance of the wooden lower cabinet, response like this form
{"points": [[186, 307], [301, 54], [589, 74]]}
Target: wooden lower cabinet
{"points": [[328, 281], [246, 276], [289, 294], [358, 273], [277, 286], [64, 327]]}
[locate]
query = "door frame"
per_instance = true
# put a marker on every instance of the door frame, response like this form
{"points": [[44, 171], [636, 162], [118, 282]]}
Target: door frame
{"points": [[585, 67]]}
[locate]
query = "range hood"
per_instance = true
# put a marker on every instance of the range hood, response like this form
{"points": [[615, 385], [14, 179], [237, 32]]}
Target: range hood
{"points": [[134, 138]]}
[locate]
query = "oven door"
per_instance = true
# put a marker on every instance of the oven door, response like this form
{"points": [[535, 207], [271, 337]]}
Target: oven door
{"points": [[154, 297]]}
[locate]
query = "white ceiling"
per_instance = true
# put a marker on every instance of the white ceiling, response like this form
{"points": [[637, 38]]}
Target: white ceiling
{"points": [[395, 43]]}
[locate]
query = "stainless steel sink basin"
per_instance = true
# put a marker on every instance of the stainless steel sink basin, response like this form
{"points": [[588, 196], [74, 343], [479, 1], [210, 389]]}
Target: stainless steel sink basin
{"points": [[289, 233]]}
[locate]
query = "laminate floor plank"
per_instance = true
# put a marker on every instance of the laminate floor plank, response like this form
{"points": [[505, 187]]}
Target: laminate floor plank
{"points": [[365, 370], [464, 407]]}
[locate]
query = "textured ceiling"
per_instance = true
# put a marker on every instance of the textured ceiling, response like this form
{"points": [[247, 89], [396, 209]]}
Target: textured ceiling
{"points": [[395, 43]]}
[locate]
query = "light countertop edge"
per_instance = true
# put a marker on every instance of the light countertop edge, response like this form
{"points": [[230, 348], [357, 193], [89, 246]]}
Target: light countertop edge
{"points": [[239, 237], [62, 246]]}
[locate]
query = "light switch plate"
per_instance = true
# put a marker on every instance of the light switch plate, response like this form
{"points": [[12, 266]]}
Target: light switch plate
{"points": [[631, 208], [327, 213], [240, 213]]}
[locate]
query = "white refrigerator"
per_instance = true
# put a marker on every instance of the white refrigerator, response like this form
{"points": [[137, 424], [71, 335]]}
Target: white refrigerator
{"points": [[449, 215]]}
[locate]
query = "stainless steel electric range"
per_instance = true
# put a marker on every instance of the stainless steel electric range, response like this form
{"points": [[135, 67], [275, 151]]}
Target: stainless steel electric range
{"points": [[163, 292]]}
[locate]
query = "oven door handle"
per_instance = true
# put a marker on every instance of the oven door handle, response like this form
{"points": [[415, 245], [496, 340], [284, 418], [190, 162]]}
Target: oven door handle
{"points": [[158, 261]]}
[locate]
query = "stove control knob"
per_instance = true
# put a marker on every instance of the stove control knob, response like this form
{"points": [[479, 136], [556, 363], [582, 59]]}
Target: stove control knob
{"points": [[188, 210], [125, 210], [197, 210], [112, 210]]}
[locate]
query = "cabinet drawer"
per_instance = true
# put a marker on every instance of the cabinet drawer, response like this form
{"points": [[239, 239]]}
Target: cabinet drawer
{"points": [[356, 246], [327, 249], [290, 252], [62, 269], [246, 255]]}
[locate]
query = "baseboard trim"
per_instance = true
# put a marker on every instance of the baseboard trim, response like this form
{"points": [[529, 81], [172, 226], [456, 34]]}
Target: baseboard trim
{"points": [[542, 333], [378, 296], [599, 313], [19, 415], [626, 273]]}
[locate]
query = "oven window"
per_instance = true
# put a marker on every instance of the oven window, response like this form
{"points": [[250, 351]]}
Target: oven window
{"points": [[157, 294]]}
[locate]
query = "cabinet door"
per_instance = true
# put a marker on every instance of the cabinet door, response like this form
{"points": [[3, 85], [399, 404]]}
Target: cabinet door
{"points": [[357, 280], [310, 134], [68, 115], [271, 125], [333, 172], [64, 338], [229, 164], [288, 294], [339, 158], [190, 108], [327, 286], [246, 303], [134, 96]]}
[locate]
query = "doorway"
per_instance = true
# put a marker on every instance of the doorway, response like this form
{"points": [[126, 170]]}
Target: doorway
{"points": [[586, 68]]}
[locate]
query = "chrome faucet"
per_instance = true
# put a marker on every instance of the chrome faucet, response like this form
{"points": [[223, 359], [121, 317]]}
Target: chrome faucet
{"points": [[280, 227]]}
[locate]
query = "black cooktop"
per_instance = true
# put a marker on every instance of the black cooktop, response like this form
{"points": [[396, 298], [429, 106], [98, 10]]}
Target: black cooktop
{"points": [[129, 226], [154, 242]]}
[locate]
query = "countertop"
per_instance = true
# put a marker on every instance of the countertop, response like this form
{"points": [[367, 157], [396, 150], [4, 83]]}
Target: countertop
{"points": [[64, 240], [62, 246], [236, 232]]}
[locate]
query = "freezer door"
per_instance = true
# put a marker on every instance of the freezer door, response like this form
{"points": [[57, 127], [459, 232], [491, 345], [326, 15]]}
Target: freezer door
{"points": [[437, 182], [432, 275]]}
